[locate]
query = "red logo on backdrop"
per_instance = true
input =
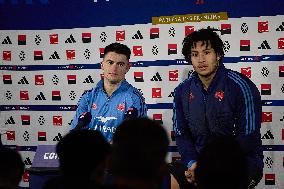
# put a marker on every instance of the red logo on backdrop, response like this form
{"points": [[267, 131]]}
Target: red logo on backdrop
{"points": [[173, 75], [137, 51], [281, 71], [191, 96], [94, 106], [154, 33], [39, 80], [38, 55], [7, 55], [7, 79], [265, 89], [269, 179], [188, 30], [102, 52], [156, 93], [11, 135], [158, 117], [266, 117], [86, 37], [244, 45], [70, 54], [219, 95], [281, 43], [225, 29], [57, 120], [282, 134], [172, 49], [22, 39], [262, 27], [121, 107], [199, 2], [26, 176], [24, 95], [246, 71], [53, 39], [138, 77], [120, 35], [71, 79]]}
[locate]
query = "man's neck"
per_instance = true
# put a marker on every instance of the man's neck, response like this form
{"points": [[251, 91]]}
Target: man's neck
{"points": [[206, 81], [110, 87]]}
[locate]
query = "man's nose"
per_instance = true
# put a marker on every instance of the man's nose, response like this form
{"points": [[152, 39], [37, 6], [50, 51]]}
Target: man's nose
{"points": [[201, 57]]}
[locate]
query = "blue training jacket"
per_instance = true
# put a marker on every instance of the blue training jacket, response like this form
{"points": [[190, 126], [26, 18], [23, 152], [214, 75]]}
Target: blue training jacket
{"points": [[109, 112], [231, 106]]}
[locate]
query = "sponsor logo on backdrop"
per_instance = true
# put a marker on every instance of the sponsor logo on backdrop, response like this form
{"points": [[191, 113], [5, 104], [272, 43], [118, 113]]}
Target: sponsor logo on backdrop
{"points": [[268, 135], [38, 55], [244, 27], [156, 93], [40, 96], [7, 79], [172, 49], [26, 136], [8, 95], [57, 120], [154, 33], [71, 79], [264, 71], [172, 32], [87, 54], [53, 38], [70, 39], [281, 43], [11, 135], [23, 81], [22, 39], [103, 37], [246, 71], [101, 52], [86, 37], [226, 29], [244, 45], [22, 56], [158, 118], [26, 119], [41, 136], [54, 56], [7, 55], [137, 35], [138, 77], [56, 96], [188, 30], [269, 179], [137, 51], [39, 80], [265, 89], [155, 50], [266, 117], [156, 77], [264, 45], [173, 75], [70, 54], [280, 27], [37, 39], [263, 27], [7, 41], [24, 95], [88, 79], [120, 35], [10, 121]]}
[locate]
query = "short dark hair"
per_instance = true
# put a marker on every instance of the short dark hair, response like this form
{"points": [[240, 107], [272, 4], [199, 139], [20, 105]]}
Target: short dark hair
{"points": [[139, 149], [81, 151], [12, 167], [207, 36], [118, 48]]}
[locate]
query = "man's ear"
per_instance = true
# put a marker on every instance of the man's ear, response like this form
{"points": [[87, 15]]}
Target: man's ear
{"points": [[102, 66]]}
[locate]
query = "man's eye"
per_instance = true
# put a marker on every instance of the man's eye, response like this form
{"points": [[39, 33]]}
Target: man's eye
{"points": [[207, 52], [194, 54]]}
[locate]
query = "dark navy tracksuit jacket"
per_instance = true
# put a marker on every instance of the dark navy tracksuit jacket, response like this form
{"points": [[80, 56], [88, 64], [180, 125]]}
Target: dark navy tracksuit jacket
{"points": [[231, 106]]}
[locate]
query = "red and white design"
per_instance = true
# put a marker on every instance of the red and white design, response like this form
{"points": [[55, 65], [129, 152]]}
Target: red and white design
{"points": [[158, 117], [121, 107], [53, 38], [11, 135], [38, 55], [26, 176], [156, 93], [24, 95], [70, 54], [7, 55], [57, 120], [266, 117], [263, 27], [138, 77], [188, 30], [86, 37], [22, 39], [244, 45], [281, 43], [246, 71], [102, 52], [94, 106], [220, 95], [39, 80], [154, 33], [173, 75], [120, 35], [137, 51], [172, 49]]}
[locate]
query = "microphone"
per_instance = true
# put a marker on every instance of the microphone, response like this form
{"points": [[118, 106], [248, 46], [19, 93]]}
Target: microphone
{"points": [[83, 120], [131, 113]]}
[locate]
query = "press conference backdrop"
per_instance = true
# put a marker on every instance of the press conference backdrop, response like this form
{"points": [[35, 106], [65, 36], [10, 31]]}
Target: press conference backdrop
{"points": [[51, 50]]}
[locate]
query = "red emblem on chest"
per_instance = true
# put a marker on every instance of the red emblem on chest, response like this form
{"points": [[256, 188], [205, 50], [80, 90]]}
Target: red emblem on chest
{"points": [[191, 96], [94, 106], [219, 95], [121, 107]]}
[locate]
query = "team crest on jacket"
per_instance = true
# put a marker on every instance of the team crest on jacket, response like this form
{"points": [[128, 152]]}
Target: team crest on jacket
{"points": [[191, 96], [94, 106], [121, 107], [219, 95]]}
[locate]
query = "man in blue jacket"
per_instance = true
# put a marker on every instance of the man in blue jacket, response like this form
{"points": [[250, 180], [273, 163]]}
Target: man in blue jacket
{"points": [[113, 99], [213, 102]]}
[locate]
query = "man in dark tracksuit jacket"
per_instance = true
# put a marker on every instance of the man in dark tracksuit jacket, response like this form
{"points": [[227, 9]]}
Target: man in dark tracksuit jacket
{"points": [[213, 102]]}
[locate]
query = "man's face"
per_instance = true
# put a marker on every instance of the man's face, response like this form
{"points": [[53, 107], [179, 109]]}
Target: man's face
{"points": [[114, 67], [204, 59]]}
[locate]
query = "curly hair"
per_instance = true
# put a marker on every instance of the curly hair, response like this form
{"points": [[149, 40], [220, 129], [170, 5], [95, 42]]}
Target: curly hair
{"points": [[208, 37]]}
